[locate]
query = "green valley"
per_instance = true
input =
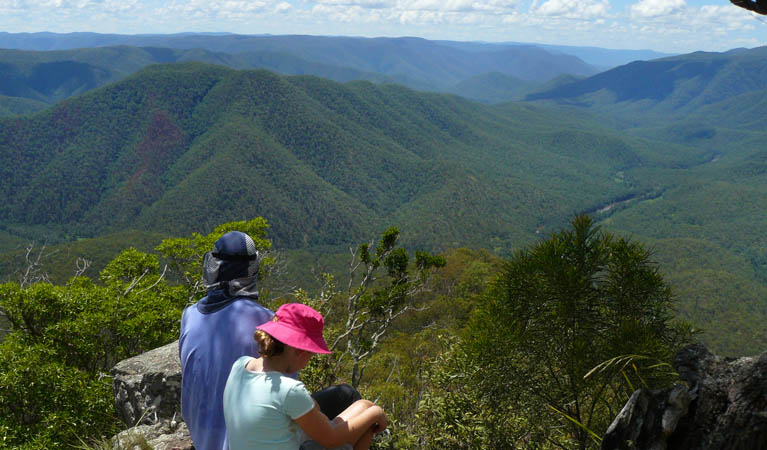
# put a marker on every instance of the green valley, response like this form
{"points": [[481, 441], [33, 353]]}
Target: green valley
{"points": [[706, 213]]}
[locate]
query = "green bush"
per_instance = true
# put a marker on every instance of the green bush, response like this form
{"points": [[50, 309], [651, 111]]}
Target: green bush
{"points": [[48, 404], [522, 375]]}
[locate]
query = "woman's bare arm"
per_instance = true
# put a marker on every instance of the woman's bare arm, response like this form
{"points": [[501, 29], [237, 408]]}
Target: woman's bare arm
{"points": [[347, 431]]}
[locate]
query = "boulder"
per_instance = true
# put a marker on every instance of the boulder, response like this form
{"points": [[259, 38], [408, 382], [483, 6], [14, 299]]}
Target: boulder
{"points": [[147, 387], [723, 406]]}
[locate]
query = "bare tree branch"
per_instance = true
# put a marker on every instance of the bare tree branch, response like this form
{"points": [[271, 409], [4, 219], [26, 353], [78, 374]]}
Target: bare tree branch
{"points": [[81, 265], [33, 272], [160, 278], [135, 282]]}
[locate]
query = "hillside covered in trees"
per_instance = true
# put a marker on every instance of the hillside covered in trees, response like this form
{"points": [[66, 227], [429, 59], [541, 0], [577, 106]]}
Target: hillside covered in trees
{"points": [[713, 102], [332, 161]]}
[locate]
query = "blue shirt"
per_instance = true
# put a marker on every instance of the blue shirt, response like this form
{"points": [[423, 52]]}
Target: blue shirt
{"points": [[259, 408], [208, 346]]}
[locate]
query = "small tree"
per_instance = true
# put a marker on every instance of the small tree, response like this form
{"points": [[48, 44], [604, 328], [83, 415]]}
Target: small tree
{"points": [[382, 286], [558, 310]]}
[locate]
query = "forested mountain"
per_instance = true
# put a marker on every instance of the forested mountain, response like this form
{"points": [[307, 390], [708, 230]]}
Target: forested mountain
{"points": [[45, 41], [52, 81], [678, 84], [181, 146], [413, 58], [714, 102], [11, 106], [33, 80], [493, 87]]}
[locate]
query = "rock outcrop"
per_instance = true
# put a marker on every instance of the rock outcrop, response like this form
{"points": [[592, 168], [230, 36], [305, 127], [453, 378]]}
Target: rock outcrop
{"points": [[147, 387], [723, 407], [147, 391]]}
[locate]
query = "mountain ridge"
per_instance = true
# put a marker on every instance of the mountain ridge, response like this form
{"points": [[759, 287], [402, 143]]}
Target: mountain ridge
{"points": [[676, 84]]}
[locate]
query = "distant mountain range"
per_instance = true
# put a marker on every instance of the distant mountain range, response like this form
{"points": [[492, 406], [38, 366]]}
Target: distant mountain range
{"points": [[48, 67], [47, 77], [601, 58]]}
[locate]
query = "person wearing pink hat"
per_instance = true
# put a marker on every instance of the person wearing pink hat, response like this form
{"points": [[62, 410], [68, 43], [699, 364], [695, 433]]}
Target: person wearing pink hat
{"points": [[266, 409]]}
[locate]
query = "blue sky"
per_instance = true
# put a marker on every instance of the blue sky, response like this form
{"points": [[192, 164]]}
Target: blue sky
{"points": [[663, 25]]}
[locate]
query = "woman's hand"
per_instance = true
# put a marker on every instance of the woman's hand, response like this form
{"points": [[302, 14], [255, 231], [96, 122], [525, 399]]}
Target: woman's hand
{"points": [[382, 422]]}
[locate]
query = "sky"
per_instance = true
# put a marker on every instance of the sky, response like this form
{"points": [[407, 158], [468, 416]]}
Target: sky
{"points": [[673, 26]]}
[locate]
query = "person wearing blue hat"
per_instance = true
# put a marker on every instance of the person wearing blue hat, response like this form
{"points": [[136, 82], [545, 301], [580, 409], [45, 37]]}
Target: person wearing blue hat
{"points": [[215, 332]]}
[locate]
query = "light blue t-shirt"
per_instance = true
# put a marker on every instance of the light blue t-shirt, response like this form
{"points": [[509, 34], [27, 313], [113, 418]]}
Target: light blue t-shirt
{"points": [[208, 346], [259, 408]]}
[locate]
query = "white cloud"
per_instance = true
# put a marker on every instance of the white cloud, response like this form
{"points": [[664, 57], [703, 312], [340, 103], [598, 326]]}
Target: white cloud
{"points": [[573, 9], [58, 4], [419, 17], [366, 4], [657, 8], [209, 10], [120, 5], [514, 18], [399, 6], [690, 28], [494, 6], [708, 23], [64, 11], [731, 18], [671, 25], [416, 13], [283, 7]]}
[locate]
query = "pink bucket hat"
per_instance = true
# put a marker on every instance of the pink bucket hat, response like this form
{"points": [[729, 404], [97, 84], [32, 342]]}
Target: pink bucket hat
{"points": [[298, 326]]}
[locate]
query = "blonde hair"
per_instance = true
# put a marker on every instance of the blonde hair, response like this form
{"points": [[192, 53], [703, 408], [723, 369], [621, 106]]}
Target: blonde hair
{"points": [[267, 345]]}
